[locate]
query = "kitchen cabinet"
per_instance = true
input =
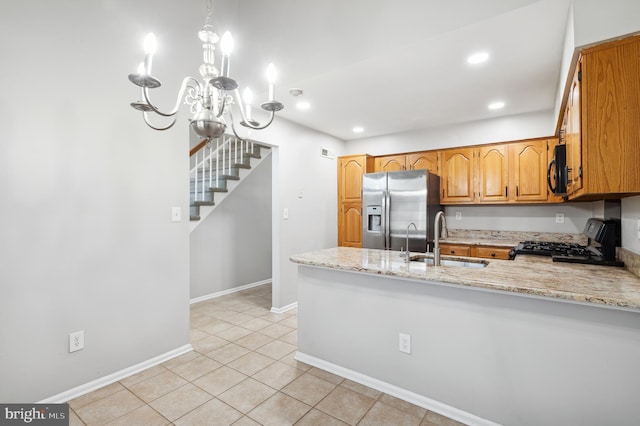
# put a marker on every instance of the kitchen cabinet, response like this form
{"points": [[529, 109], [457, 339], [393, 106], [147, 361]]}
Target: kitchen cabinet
{"points": [[528, 171], [572, 135], [427, 160], [493, 173], [603, 110], [481, 251], [491, 252], [390, 163], [350, 171], [455, 249], [513, 172], [457, 176]]}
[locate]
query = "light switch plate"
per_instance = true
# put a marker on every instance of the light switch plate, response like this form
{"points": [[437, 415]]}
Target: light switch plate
{"points": [[176, 214], [285, 213], [559, 217], [404, 343]]}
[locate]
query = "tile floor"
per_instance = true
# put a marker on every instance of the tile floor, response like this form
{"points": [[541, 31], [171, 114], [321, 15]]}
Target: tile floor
{"points": [[242, 371]]}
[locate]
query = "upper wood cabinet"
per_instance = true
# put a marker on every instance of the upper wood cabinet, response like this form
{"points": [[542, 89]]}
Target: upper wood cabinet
{"points": [[457, 176], [572, 134], [528, 171], [350, 171], [427, 160], [514, 172], [390, 163], [608, 123], [493, 173]]}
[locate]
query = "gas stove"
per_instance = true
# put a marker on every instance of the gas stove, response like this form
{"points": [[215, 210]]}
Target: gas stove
{"points": [[603, 237]]}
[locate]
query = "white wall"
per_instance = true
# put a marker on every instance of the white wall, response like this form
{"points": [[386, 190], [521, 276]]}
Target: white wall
{"points": [[87, 189], [630, 219], [596, 20], [538, 218], [232, 247], [306, 184], [513, 127]]}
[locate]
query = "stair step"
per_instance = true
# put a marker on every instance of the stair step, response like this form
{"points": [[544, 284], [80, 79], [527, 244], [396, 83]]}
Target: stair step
{"points": [[203, 203]]}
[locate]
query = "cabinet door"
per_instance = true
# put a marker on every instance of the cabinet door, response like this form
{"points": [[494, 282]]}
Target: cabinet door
{"points": [[456, 176], [529, 170], [427, 160], [488, 252], [350, 170], [610, 98], [390, 163], [493, 173], [455, 250], [350, 225], [574, 135]]}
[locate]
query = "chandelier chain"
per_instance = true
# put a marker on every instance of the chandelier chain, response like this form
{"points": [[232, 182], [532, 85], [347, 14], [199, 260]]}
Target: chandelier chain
{"points": [[209, 12]]}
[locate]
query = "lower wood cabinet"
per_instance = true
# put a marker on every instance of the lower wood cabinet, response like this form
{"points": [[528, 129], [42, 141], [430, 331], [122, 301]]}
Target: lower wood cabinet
{"points": [[455, 250], [350, 224], [486, 252]]}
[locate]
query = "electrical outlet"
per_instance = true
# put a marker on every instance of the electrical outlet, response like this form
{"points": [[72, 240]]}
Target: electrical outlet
{"points": [[458, 215], [404, 343], [76, 341], [559, 217]]}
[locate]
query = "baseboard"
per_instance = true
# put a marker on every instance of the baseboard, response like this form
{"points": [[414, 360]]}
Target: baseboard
{"points": [[405, 395], [284, 308], [114, 377], [229, 291]]}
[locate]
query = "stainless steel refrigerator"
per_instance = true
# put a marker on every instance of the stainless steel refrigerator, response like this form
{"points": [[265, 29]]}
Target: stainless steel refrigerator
{"points": [[391, 201]]}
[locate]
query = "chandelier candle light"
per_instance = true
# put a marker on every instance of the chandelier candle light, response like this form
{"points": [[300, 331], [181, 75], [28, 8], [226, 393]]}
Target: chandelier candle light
{"points": [[210, 100]]}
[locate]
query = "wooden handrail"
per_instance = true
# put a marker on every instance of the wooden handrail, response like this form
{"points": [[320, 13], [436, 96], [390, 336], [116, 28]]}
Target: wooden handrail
{"points": [[197, 148]]}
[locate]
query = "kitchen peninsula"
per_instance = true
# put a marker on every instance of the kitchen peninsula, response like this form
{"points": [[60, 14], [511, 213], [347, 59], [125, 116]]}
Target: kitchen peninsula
{"points": [[517, 342]]}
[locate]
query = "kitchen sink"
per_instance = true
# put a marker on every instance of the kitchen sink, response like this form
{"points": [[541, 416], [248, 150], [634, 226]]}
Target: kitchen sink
{"points": [[448, 262]]}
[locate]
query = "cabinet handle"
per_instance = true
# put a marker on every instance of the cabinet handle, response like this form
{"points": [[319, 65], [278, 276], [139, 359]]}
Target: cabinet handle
{"points": [[442, 192], [493, 255], [506, 191], [452, 251], [517, 191]]}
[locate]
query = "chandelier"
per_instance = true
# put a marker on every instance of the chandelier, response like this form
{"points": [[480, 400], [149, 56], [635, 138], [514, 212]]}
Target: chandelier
{"points": [[211, 99]]}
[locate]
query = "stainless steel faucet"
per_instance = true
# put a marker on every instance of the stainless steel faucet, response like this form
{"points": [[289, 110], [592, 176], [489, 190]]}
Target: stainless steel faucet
{"points": [[436, 242], [406, 254]]}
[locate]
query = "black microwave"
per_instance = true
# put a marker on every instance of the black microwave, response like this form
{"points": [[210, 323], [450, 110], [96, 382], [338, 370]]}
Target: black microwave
{"points": [[557, 173]]}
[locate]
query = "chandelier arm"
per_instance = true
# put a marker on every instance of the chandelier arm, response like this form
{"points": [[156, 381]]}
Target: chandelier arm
{"points": [[246, 122], [233, 127], [146, 120], [183, 88]]}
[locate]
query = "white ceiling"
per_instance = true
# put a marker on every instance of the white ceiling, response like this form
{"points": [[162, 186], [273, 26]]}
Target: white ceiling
{"points": [[397, 65]]}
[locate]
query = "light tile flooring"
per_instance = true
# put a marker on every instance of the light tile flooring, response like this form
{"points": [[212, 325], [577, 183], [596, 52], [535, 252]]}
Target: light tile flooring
{"points": [[243, 372]]}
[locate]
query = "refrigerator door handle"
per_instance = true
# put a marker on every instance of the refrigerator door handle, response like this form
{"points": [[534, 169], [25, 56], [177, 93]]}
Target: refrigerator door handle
{"points": [[386, 207]]}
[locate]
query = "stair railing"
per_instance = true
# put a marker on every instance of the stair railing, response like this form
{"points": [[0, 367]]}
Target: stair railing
{"points": [[220, 150]]}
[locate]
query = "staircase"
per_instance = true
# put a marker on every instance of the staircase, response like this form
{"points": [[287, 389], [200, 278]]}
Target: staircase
{"points": [[217, 168]]}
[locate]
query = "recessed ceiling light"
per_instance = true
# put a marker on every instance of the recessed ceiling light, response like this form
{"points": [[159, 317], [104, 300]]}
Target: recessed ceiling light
{"points": [[295, 91], [303, 105], [478, 58], [358, 129], [496, 105]]}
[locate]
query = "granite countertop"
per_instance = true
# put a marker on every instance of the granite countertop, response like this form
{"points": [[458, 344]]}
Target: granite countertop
{"points": [[604, 286], [508, 238]]}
